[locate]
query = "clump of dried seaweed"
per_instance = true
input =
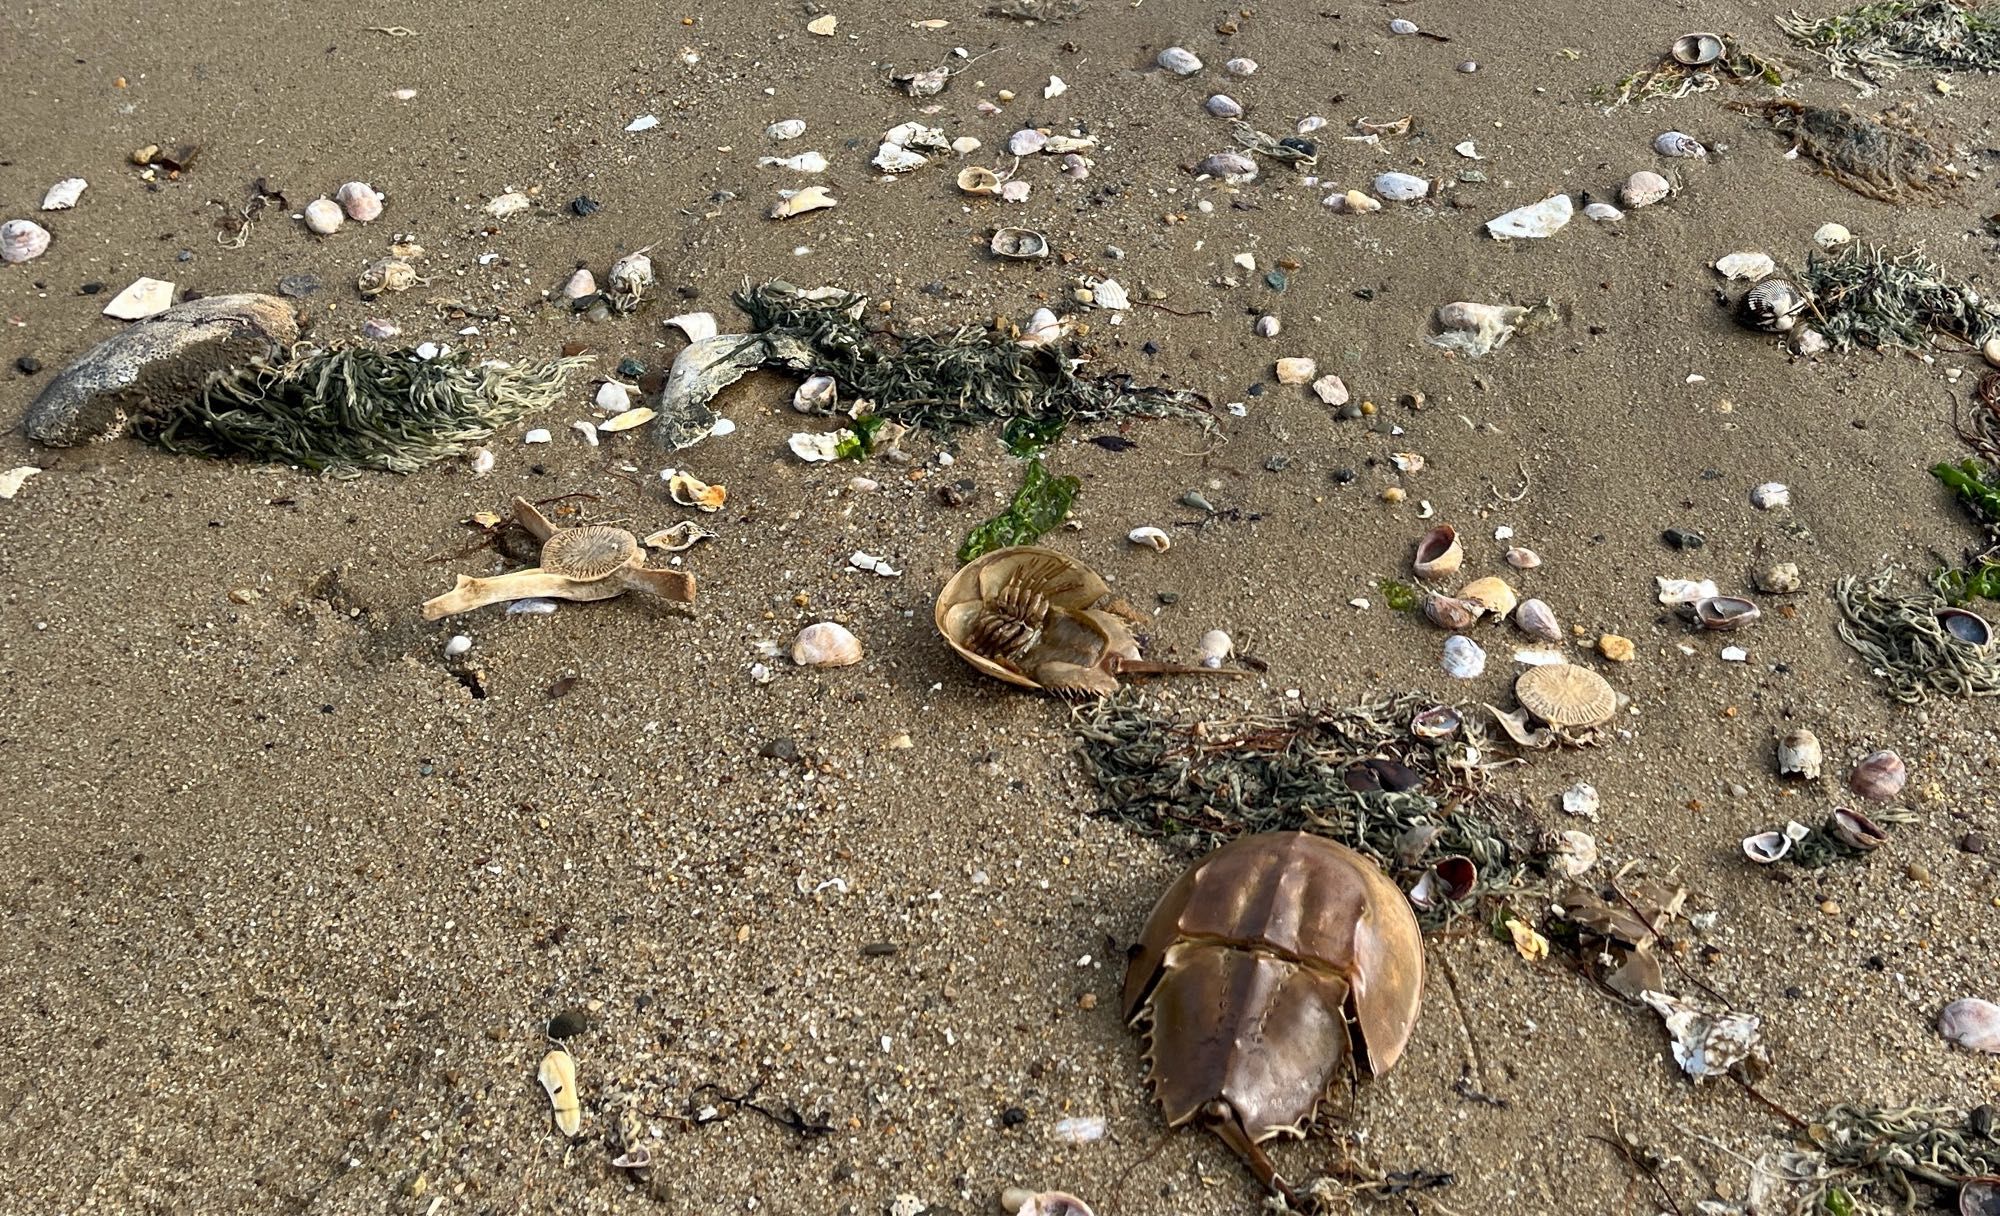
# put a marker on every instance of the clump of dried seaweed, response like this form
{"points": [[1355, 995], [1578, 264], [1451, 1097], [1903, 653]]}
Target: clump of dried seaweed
{"points": [[346, 410], [1037, 10], [1855, 1160], [1670, 78], [1865, 297], [1906, 644], [1886, 158], [967, 376], [1866, 45], [1199, 782]]}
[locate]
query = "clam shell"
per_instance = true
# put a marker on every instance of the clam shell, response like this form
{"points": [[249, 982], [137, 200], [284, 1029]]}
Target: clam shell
{"points": [[1856, 830], [1523, 559], [1448, 613], [1799, 755], [1967, 627], [1678, 143], [360, 201], [1222, 105], [1697, 50], [691, 491], [581, 285], [798, 202], [22, 240], [1179, 60], [1537, 619], [1972, 1023], [1020, 244], [1766, 847], [1026, 142], [1879, 777], [816, 395], [1772, 305], [1019, 1201], [826, 644], [1151, 538], [1437, 722], [1400, 187], [324, 216], [1438, 553], [1231, 168], [1643, 189], [975, 180], [1463, 659], [1492, 594], [1215, 646], [1240, 67], [558, 1076], [1724, 612]]}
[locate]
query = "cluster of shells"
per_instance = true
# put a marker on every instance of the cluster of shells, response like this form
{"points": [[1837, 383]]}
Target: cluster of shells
{"points": [[1877, 778], [357, 201], [1439, 555]]}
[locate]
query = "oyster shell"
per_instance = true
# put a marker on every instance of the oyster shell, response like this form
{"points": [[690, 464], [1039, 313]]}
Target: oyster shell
{"points": [[691, 491]]}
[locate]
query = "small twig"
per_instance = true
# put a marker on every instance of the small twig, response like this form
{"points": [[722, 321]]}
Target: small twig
{"points": [[1797, 1123], [1175, 311]]}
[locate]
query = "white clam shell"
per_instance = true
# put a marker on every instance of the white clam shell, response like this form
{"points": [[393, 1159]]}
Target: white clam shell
{"points": [[1215, 647], [22, 240], [1463, 657], [324, 216], [144, 298], [1523, 559], [1678, 143], [361, 201], [1602, 212], [1230, 168], [1222, 105], [1241, 67], [1751, 266], [1150, 537], [826, 644], [581, 284], [64, 194], [1831, 236], [1026, 142], [1643, 189], [1400, 187], [1179, 60], [1402, 25], [1972, 1023]]}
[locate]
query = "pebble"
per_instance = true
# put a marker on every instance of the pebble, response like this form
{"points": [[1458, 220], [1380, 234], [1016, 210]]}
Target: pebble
{"points": [[1972, 842], [1682, 539], [1267, 326], [27, 365], [1617, 649], [1331, 389], [537, 435], [324, 216], [1223, 106], [458, 645], [1832, 236], [1830, 907], [613, 396], [1180, 61], [1241, 67]]}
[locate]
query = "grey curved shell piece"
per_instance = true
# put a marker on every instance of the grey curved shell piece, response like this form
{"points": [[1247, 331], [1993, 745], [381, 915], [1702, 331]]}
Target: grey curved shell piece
{"points": [[152, 365]]}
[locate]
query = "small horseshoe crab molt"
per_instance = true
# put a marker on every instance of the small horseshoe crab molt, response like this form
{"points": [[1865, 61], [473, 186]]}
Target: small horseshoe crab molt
{"points": [[1042, 619], [1267, 973]]}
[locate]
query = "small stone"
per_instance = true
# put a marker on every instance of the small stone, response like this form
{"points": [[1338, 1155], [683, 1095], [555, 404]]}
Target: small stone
{"points": [[28, 365], [1331, 390], [1972, 842], [1180, 61], [569, 1023], [823, 26], [1832, 236], [613, 396], [780, 749], [1919, 873], [1682, 539], [298, 286], [957, 493], [1617, 649], [1087, 1001], [1296, 371], [1771, 496], [1267, 326], [583, 206], [1830, 907]]}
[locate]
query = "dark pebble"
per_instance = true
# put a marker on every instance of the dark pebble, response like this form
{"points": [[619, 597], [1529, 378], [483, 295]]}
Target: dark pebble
{"points": [[28, 365], [1277, 281], [878, 950], [298, 286], [1151, 347], [1256, 390], [1350, 411], [1972, 842], [1168, 598], [1681, 538], [779, 749], [583, 206], [91, 289], [185, 255], [569, 1023], [957, 493], [631, 368], [1013, 1116], [1344, 476], [1277, 464]]}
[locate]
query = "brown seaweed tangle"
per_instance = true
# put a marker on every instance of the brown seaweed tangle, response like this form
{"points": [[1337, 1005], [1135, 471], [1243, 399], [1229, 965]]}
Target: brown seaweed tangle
{"points": [[1886, 158]]}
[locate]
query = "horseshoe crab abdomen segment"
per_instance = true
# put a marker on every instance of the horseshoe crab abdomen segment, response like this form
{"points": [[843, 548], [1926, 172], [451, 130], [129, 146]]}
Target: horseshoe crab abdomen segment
{"points": [[1264, 1034]]}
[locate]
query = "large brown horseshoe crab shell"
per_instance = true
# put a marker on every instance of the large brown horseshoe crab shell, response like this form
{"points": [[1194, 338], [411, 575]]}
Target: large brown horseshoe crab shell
{"points": [[1258, 972]]}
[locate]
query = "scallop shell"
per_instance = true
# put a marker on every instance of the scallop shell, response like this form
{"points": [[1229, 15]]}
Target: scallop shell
{"points": [[1463, 658], [1151, 538], [1967, 627], [1972, 1023], [1020, 244], [1678, 143], [22, 240], [1179, 60], [1856, 830], [324, 216], [1448, 613], [1879, 777], [1799, 755], [360, 201], [975, 180], [1492, 594], [1772, 305], [826, 644], [1697, 50], [1564, 695], [1438, 552], [1537, 619]]}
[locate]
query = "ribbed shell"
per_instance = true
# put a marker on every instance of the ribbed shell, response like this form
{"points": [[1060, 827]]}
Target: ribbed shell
{"points": [[1566, 695], [1772, 304], [588, 554]]}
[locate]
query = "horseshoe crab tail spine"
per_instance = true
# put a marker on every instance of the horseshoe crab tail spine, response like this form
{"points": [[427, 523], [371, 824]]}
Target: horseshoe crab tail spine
{"points": [[1147, 667], [1222, 1120]]}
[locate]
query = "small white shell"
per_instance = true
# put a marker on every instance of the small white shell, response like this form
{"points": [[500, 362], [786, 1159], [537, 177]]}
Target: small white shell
{"points": [[1026, 142], [144, 298], [817, 395], [1677, 143], [1831, 236], [22, 240], [1746, 265], [537, 435], [892, 158], [64, 194], [586, 429], [458, 645], [1972, 1023], [1643, 189], [1603, 212], [1180, 61], [581, 284], [1463, 657], [1575, 853], [1241, 67], [360, 200], [1766, 847], [1799, 755], [511, 203], [1402, 26], [1215, 646], [826, 644], [1523, 559], [1150, 537], [1401, 187], [1108, 293], [1222, 105], [324, 216], [785, 128], [482, 461], [1770, 496], [1267, 326]]}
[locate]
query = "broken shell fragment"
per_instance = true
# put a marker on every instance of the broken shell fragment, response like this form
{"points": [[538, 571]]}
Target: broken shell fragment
{"points": [[1677, 143], [1879, 777], [1401, 187], [627, 419], [1857, 831], [1437, 722], [1967, 627], [387, 274], [1020, 244], [1771, 496], [1745, 265], [691, 491], [324, 216], [1446, 612], [1449, 881], [678, 538], [1723, 612], [1354, 202], [1799, 755], [975, 180], [1492, 594], [1463, 658], [1766, 847], [22, 241], [144, 298], [894, 158], [798, 202], [511, 203], [1778, 578], [64, 194], [581, 285], [1331, 389], [1574, 853], [816, 395], [360, 201], [1537, 619], [1972, 1023], [1643, 189], [558, 1076], [1438, 553], [784, 129], [826, 644], [1150, 538], [1697, 50]]}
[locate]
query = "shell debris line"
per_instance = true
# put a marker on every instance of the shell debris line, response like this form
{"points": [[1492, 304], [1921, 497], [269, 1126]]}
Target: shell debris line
{"points": [[1407, 512]]}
